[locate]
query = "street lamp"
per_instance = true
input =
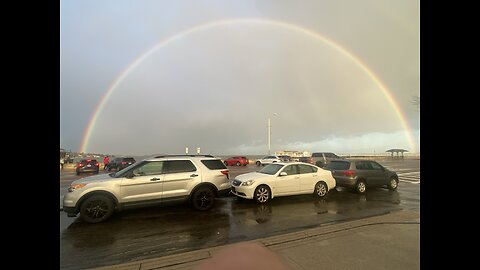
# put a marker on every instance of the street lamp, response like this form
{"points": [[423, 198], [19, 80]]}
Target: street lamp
{"points": [[269, 127]]}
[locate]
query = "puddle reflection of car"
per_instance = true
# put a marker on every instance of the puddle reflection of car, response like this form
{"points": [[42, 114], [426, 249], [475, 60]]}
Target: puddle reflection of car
{"points": [[362, 174], [283, 179]]}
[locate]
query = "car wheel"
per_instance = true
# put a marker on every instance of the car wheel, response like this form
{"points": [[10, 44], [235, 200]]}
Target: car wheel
{"points": [[360, 187], [96, 208], [258, 163], [238, 163], [393, 184], [203, 198], [321, 189], [262, 194], [226, 163]]}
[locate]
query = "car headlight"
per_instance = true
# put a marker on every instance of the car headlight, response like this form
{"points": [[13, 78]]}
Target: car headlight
{"points": [[75, 186], [248, 183]]}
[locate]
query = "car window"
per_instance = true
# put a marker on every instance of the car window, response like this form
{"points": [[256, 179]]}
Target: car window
{"points": [[317, 155], [306, 169], [271, 169], [375, 166], [149, 168], [213, 164], [339, 165], [178, 166], [331, 155], [363, 165], [291, 169]]}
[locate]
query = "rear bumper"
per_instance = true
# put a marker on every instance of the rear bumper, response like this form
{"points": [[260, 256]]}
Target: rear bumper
{"points": [[346, 182]]}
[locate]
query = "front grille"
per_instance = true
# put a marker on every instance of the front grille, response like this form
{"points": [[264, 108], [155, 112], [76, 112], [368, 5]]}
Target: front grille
{"points": [[236, 183]]}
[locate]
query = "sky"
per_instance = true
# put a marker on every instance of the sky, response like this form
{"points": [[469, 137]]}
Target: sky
{"points": [[149, 77]]}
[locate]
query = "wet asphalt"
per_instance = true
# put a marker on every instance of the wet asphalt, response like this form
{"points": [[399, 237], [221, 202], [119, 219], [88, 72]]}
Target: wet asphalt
{"points": [[157, 231]]}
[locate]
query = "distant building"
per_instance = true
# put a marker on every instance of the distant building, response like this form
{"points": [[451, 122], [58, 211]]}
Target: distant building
{"points": [[294, 154]]}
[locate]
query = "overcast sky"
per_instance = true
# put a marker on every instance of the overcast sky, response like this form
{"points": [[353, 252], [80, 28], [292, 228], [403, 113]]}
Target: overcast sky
{"points": [[210, 74]]}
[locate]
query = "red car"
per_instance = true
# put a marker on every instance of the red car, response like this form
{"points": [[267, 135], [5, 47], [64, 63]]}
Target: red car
{"points": [[238, 161]]}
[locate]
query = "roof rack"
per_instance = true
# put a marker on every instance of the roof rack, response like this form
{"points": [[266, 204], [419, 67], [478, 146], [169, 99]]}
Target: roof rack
{"points": [[162, 156]]}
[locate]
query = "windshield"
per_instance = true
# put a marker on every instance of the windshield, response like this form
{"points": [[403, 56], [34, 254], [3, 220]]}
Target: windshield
{"points": [[271, 169]]}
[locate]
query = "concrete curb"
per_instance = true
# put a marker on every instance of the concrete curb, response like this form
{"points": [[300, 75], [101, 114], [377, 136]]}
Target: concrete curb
{"points": [[292, 241]]}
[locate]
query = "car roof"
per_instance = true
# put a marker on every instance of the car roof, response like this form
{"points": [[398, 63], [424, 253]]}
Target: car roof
{"points": [[293, 163], [184, 157]]}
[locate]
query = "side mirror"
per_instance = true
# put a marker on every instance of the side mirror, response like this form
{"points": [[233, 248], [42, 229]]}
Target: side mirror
{"points": [[283, 174]]}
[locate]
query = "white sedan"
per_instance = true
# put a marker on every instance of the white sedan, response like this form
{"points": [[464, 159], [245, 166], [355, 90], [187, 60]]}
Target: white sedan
{"points": [[283, 179]]}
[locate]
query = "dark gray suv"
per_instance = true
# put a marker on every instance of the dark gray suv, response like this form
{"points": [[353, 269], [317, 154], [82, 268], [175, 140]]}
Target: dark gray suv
{"points": [[360, 174]]}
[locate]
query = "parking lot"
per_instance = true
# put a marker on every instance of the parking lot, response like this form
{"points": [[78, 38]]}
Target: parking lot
{"points": [[157, 231]]}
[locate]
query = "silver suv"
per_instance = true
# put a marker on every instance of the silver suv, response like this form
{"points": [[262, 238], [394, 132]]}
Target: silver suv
{"points": [[197, 179]]}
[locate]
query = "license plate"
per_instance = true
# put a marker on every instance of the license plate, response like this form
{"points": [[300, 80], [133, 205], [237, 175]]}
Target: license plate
{"points": [[89, 165]]}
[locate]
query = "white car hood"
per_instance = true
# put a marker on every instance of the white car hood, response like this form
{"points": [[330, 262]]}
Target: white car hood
{"points": [[250, 176]]}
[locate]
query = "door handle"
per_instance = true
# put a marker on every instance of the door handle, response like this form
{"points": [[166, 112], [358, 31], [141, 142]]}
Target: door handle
{"points": [[154, 179], [193, 175]]}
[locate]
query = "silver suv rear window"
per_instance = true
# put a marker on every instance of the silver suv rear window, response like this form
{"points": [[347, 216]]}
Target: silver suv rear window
{"points": [[214, 164]]}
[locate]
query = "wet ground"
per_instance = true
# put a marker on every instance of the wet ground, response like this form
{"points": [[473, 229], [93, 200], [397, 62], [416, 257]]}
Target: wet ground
{"points": [[157, 231]]}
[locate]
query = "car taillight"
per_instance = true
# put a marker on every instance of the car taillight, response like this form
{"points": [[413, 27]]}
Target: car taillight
{"points": [[348, 173], [225, 172], [79, 165], [97, 164]]}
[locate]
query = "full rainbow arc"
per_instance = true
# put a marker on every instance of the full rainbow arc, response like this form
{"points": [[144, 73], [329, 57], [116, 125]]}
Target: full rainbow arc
{"points": [[389, 96]]}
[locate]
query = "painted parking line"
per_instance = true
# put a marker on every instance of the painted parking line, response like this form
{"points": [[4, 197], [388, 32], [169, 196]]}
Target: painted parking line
{"points": [[411, 182]]}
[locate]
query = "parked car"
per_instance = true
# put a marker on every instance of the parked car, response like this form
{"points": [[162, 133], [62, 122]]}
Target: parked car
{"points": [[237, 161], [306, 160], [283, 179], [163, 179], [268, 160], [362, 174], [120, 163], [87, 166], [285, 158], [321, 159]]}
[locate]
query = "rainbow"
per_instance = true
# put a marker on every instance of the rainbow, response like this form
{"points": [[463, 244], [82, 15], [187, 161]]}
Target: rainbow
{"points": [[389, 96]]}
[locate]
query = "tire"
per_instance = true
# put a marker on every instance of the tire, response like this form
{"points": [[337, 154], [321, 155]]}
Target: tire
{"points": [[321, 189], [393, 183], [96, 208], [361, 187], [238, 163], [203, 198], [262, 194], [226, 163], [258, 163]]}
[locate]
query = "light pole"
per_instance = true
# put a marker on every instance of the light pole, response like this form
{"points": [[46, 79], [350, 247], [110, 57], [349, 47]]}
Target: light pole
{"points": [[269, 127]]}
